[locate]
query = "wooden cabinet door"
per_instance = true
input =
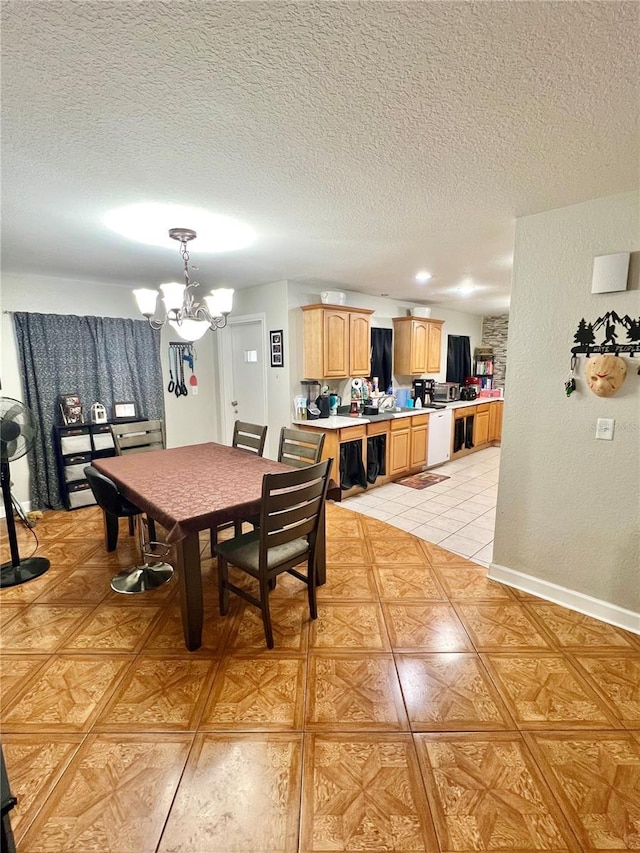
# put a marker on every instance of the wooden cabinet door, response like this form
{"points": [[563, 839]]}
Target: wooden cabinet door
{"points": [[418, 446], [433, 352], [419, 346], [495, 421], [481, 429], [359, 345], [336, 343], [399, 451]]}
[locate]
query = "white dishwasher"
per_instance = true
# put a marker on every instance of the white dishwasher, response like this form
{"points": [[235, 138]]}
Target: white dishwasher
{"points": [[439, 437]]}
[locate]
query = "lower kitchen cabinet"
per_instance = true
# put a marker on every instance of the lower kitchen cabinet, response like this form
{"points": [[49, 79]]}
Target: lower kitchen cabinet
{"points": [[481, 425], [399, 447], [495, 421], [419, 430]]}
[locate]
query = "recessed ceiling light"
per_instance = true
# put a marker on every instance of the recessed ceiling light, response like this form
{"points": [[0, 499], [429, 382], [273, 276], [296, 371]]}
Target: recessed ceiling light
{"points": [[465, 289], [150, 223], [423, 276]]}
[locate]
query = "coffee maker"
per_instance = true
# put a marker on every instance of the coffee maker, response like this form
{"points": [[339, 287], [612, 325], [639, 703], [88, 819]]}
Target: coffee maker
{"points": [[423, 391]]}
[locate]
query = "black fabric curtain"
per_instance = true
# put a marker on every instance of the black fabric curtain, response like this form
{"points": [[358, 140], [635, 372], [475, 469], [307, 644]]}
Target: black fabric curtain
{"points": [[458, 358], [381, 354], [101, 359]]}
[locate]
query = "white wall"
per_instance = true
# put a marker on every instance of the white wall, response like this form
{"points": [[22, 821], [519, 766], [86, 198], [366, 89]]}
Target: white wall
{"points": [[189, 420], [271, 300], [455, 323], [568, 505]]}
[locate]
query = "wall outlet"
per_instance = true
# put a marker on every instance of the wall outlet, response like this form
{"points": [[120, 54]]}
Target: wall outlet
{"points": [[604, 428]]}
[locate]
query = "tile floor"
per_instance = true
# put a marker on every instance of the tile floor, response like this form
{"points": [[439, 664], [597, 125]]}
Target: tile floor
{"points": [[458, 514], [426, 709]]}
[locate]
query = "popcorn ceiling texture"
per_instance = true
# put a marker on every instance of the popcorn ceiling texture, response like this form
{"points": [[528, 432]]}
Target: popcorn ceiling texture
{"points": [[363, 140], [494, 333]]}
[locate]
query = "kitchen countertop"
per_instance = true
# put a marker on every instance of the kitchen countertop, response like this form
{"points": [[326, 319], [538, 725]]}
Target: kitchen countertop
{"points": [[346, 421]]}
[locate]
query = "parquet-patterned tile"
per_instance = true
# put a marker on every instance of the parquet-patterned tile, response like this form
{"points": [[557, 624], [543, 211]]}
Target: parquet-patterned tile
{"points": [[363, 793], [486, 793], [111, 628], [239, 792], [544, 691], [290, 623], [115, 795], [159, 694], [398, 552], [408, 582], [431, 627], [8, 612], [617, 679], [256, 694], [356, 627], [42, 628], [354, 693], [450, 692], [34, 765], [343, 524], [376, 530], [465, 581], [65, 695], [347, 552], [355, 583], [596, 778], [167, 635], [79, 586], [15, 673], [572, 630], [501, 627], [67, 552]]}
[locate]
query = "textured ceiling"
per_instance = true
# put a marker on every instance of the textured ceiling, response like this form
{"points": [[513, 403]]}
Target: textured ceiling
{"points": [[363, 141]]}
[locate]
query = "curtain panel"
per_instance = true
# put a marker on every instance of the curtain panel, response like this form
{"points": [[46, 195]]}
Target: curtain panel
{"points": [[458, 358], [101, 359]]}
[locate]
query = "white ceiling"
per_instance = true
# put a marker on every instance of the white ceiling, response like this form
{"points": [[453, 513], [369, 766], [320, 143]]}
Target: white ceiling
{"points": [[362, 140]]}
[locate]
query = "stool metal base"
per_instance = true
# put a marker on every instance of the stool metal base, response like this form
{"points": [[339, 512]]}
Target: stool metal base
{"points": [[142, 578]]}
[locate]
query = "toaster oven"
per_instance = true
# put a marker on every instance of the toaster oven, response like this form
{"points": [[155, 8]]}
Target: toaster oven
{"points": [[446, 392]]}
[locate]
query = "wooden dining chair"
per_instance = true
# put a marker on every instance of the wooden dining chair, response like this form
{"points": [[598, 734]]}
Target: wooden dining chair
{"points": [[291, 507], [249, 437], [138, 436], [299, 448]]}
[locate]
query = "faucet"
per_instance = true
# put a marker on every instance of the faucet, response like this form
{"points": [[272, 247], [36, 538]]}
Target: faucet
{"points": [[387, 401]]}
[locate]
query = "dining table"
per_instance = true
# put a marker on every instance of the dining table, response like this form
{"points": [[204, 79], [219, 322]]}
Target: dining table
{"points": [[194, 488]]}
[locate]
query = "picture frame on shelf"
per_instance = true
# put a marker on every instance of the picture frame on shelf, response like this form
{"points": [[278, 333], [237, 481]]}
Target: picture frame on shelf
{"points": [[124, 411], [276, 344], [70, 409]]}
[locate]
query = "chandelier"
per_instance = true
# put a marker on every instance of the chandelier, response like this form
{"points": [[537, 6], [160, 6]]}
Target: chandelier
{"points": [[189, 318]]}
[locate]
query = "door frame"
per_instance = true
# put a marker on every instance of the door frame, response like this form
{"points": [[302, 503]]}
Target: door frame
{"points": [[227, 418]]}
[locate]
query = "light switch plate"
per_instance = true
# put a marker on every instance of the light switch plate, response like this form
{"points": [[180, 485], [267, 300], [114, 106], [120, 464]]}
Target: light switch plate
{"points": [[604, 428]]}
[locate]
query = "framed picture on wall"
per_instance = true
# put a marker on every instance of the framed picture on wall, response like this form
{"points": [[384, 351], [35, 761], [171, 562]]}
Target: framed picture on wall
{"points": [[277, 348]]}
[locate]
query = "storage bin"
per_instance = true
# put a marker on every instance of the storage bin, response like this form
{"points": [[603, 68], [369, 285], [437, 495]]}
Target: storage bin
{"points": [[75, 444]]}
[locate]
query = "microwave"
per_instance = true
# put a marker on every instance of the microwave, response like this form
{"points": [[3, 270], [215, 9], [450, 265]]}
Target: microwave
{"points": [[446, 392]]}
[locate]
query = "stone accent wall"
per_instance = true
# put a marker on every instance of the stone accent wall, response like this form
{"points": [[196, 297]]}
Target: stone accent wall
{"points": [[494, 334]]}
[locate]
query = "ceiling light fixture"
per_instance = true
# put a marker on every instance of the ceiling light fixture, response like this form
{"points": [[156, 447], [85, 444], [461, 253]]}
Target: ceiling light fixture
{"points": [[423, 276], [189, 318]]}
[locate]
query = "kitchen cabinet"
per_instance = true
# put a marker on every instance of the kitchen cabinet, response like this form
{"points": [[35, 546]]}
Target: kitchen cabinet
{"points": [[419, 429], [416, 345], [337, 341], [495, 421], [399, 446], [481, 425]]}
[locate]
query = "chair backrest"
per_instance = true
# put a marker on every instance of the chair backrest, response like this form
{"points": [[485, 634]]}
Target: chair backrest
{"points": [[105, 492], [249, 437], [138, 436], [299, 448], [291, 506]]}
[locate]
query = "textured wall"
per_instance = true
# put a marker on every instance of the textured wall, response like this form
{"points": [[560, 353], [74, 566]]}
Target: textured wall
{"points": [[568, 505], [494, 333]]}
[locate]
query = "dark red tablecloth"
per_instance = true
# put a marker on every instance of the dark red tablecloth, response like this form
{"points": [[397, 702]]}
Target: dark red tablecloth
{"points": [[187, 489]]}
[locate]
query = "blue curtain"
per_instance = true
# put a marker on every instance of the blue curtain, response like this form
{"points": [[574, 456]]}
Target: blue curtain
{"points": [[101, 359]]}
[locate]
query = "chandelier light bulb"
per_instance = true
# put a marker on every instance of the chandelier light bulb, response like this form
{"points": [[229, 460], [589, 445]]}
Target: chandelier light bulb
{"points": [[172, 295], [147, 300]]}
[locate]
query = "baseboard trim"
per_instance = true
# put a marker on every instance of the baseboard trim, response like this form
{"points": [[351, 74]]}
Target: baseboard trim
{"points": [[602, 610]]}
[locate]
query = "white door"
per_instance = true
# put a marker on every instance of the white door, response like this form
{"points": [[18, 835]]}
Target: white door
{"points": [[242, 349]]}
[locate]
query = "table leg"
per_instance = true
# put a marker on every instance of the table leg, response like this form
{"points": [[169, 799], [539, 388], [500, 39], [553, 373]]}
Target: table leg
{"points": [[188, 554], [321, 550]]}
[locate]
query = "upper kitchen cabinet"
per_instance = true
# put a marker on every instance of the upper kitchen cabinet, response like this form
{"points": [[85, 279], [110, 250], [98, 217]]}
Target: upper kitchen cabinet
{"points": [[337, 341], [416, 345]]}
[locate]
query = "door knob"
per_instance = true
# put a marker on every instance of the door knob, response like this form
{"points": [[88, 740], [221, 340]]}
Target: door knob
{"points": [[234, 402]]}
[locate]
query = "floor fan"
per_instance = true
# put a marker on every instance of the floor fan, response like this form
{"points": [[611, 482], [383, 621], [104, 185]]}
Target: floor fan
{"points": [[18, 430]]}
